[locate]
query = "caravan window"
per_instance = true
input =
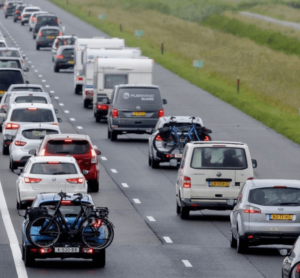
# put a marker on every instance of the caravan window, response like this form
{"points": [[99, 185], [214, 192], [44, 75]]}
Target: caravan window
{"points": [[116, 79]]}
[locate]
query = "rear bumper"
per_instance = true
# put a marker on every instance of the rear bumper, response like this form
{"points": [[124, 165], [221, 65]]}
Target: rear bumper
{"points": [[214, 204], [63, 64], [157, 156], [101, 113]]}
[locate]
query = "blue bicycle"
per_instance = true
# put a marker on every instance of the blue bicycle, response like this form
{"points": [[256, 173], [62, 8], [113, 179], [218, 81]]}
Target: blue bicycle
{"points": [[174, 137]]}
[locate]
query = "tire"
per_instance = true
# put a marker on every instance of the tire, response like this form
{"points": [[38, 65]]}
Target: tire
{"points": [[13, 165], [56, 69], [15, 20], [99, 259], [5, 16], [29, 259], [108, 134], [37, 47], [5, 150], [0, 128], [113, 136], [86, 103], [98, 118], [93, 185], [18, 205], [177, 208], [169, 145], [184, 212], [106, 233], [31, 231], [233, 241], [149, 160], [77, 90], [22, 23], [241, 245], [30, 29], [154, 164], [34, 36]]}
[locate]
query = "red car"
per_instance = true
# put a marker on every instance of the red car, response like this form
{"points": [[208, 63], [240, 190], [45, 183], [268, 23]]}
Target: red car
{"points": [[80, 147]]}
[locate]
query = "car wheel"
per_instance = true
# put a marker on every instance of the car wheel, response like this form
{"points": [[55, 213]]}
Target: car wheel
{"points": [[5, 16], [241, 245], [113, 136], [154, 164], [98, 118], [29, 260], [37, 47], [56, 69], [22, 23], [13, 165], [15, 20], [177, 208], [86, 103], [93, 185], [149, 160], [5, 150], [233, 241], [108, 134], [0, 128], [184, 212], [34, 36], [99, 259], [17, 205], [77, 91], [30, 29]]}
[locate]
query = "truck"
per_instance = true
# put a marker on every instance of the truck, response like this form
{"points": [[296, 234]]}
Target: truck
{"points": [[88, 58], [109, 72], [80, 45]]}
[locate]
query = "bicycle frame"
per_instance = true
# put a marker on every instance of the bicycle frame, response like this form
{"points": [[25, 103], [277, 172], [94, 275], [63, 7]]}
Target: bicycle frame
{"points": [[192, 130]]}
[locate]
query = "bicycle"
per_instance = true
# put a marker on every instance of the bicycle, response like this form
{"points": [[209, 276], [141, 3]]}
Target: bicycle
{"points": [[91, 226], [169, 138]]}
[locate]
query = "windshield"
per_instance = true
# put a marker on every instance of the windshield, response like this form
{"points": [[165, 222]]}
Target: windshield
{"points": [[65, 147], [47, 32], [30, 99], [8, 77], [219, 158], [275, 196], [9, 53], [138, 96], [37, 133], [51, 20], [53, 169], [31, 89], [15, 64], [27, 115]]}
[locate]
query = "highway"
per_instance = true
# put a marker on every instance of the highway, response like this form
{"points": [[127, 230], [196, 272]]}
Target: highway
{"points": [[150, 239]]}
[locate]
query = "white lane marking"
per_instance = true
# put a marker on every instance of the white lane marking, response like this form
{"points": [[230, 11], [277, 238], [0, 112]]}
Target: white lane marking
{"points": [[114, 171], [40, 75], [79, 127], [43, 80], [52, 92], [32, 66], [167, 239], [67, 111], [137, 201], [29, 62], [187, 263], [61, 104], [151, 218], [47, 86], [125, 185], [103, 157], [72, 119], [13, 240], [56, 97]]}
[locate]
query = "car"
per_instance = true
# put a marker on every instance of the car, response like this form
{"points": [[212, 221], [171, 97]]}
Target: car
{"points": [[13, 62], [25, 113], [48, 174], [26, 87], [12, 52], [79, 146], [29, 97], [64, 58], [154, 157], [266, 212], [102, 107], [18, 10], [291, 263], [46, 36], [3, 42], [26, 14], [10, 8], [44, 20], [62, 41], [134, 108], [30, 252], [28, 137], [32, 20], [210, 174]]}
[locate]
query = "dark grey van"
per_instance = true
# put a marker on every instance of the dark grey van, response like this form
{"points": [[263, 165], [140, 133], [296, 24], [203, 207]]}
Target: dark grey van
{"points": [[44, 20], [134, 109]]}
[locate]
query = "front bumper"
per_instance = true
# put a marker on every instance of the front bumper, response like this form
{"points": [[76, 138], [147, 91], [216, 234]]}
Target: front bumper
{"points": [[199, 204]]}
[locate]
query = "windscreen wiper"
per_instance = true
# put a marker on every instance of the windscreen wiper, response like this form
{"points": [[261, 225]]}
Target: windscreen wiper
{"points": [[289, 204]]}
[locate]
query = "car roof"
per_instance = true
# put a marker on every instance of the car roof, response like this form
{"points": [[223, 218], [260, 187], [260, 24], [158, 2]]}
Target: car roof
{"points": [[11, 69], [10, 58], [226, 143], [10, 48], [180, 119], [46, 14], [66, 37], [256, 183], [26, 105], [26, 85], [136, 85], [66, 136], [48, 197], [33, 7], [37, 159], [39, 125]]}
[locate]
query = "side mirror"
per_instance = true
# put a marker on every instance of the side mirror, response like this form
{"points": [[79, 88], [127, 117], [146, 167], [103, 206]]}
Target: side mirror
{"points": [[18, 171], [22, 212], [97, 152], [27, 82], [59, 120], [254, 163], [173, 162], [56, 110], [85, 172], [32, 152], [164, 101], [26, 70], [283, 252], [231, 202]]}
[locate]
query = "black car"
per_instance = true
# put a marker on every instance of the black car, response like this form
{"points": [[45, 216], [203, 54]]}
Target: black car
{"points": [[100, 110], [10, 9], [18, 10], [44, 20], [46, 36], [64, 58], [134, 109]]}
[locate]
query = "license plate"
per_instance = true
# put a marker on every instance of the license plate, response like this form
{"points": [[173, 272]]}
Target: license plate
{"points": [[2, 92], [50, 37], [178, 155], [71, 62], [219, 184], [280, 217], [138, 113], [66, 249]]}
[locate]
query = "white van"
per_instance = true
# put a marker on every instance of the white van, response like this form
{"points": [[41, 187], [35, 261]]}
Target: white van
{"points": [[81, 44], [211, 173], [88, 58]]}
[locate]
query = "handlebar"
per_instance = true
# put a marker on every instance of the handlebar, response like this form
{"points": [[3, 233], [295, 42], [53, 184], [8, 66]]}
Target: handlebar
{"points": [[63, 195]]}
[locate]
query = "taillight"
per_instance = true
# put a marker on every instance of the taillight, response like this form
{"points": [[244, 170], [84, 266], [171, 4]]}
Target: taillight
{"points": [[158, 138], [65, 202], [89, 93], [12, 126], [94, 156], [32, 180], [75, 181], [42, 152], [55, 124], [60, 33], [102, 107], [97, 223], [45, 250], [53, 162], [3, 106], [40, 34], [22, 61], [296, 271], [17, 11], [79, 78], [251, 209], [115, 113], [186, 182], [36, 20], [32, 108], [57, 20], [206, 138], [251, 178], [19, 17], [24, 14], [161, 113], [68, 140], [20, 143], [59, 56]]}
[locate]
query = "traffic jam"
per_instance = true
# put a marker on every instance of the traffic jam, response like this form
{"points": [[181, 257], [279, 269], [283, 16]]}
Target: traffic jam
{"points": [[56, 172]]}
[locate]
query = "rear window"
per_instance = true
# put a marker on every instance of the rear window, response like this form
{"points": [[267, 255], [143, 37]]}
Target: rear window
{"points": [[37, 133], [47, 32], [182, 126], [15, 64], [31, 89], [219, 158], [9, 53], [111, 80], [138, 96], [272, 196], [35, 116], [64, 147], [53, 169], [31, 10], [65, 41], [47, 19], [8, 77], [68, 52], [67, 211], [102, 98], [30, 99]]}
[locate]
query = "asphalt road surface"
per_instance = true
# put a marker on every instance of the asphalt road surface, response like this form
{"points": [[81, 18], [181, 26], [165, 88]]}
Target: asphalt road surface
{"points": [[150, 239]]}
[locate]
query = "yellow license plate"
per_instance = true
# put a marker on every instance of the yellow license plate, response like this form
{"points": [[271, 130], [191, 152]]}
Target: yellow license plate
{"points": [[71, 62], [50, 37], [281, 217], [138, 113], [219, 183], [2, 92]]}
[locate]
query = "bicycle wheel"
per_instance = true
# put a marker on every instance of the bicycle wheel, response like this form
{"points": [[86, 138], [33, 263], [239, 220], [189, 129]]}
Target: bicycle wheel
{"points": [[36, 234], [97, 233], [165, 145]]}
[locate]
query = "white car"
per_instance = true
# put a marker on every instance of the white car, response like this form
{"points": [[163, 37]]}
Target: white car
{"points": [[32, 19], [26, 14], [48, 174], [25, 113], [29, 97], [28, 137], [61, 41], [13, 52], [26, 87]]}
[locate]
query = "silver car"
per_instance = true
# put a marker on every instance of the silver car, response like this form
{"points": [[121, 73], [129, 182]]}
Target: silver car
{"points": [[266, 212], [27, 138]]}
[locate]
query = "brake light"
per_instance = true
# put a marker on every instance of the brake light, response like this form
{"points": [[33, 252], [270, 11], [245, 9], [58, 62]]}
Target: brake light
{"points": [[55, 124], [12, 126], [45, 250], [42, 152], [75, 181], [297, 269], [20, 143], [3, 106], [19, 17], [24, 14], [17, 11], [68, 140], [94, 156], [251, 209], [158, 138], [161, 113], [32, 19], [59, 57], [186, 182], [79, 78], [33, 250], [40, 34], [97, 223], [53, 162], [66, 202], [115, 113], [32, 180], [88, 250], [102, 107], [57, 20], [206, 138], [89, 93], [32, 108], [60, 33]]}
